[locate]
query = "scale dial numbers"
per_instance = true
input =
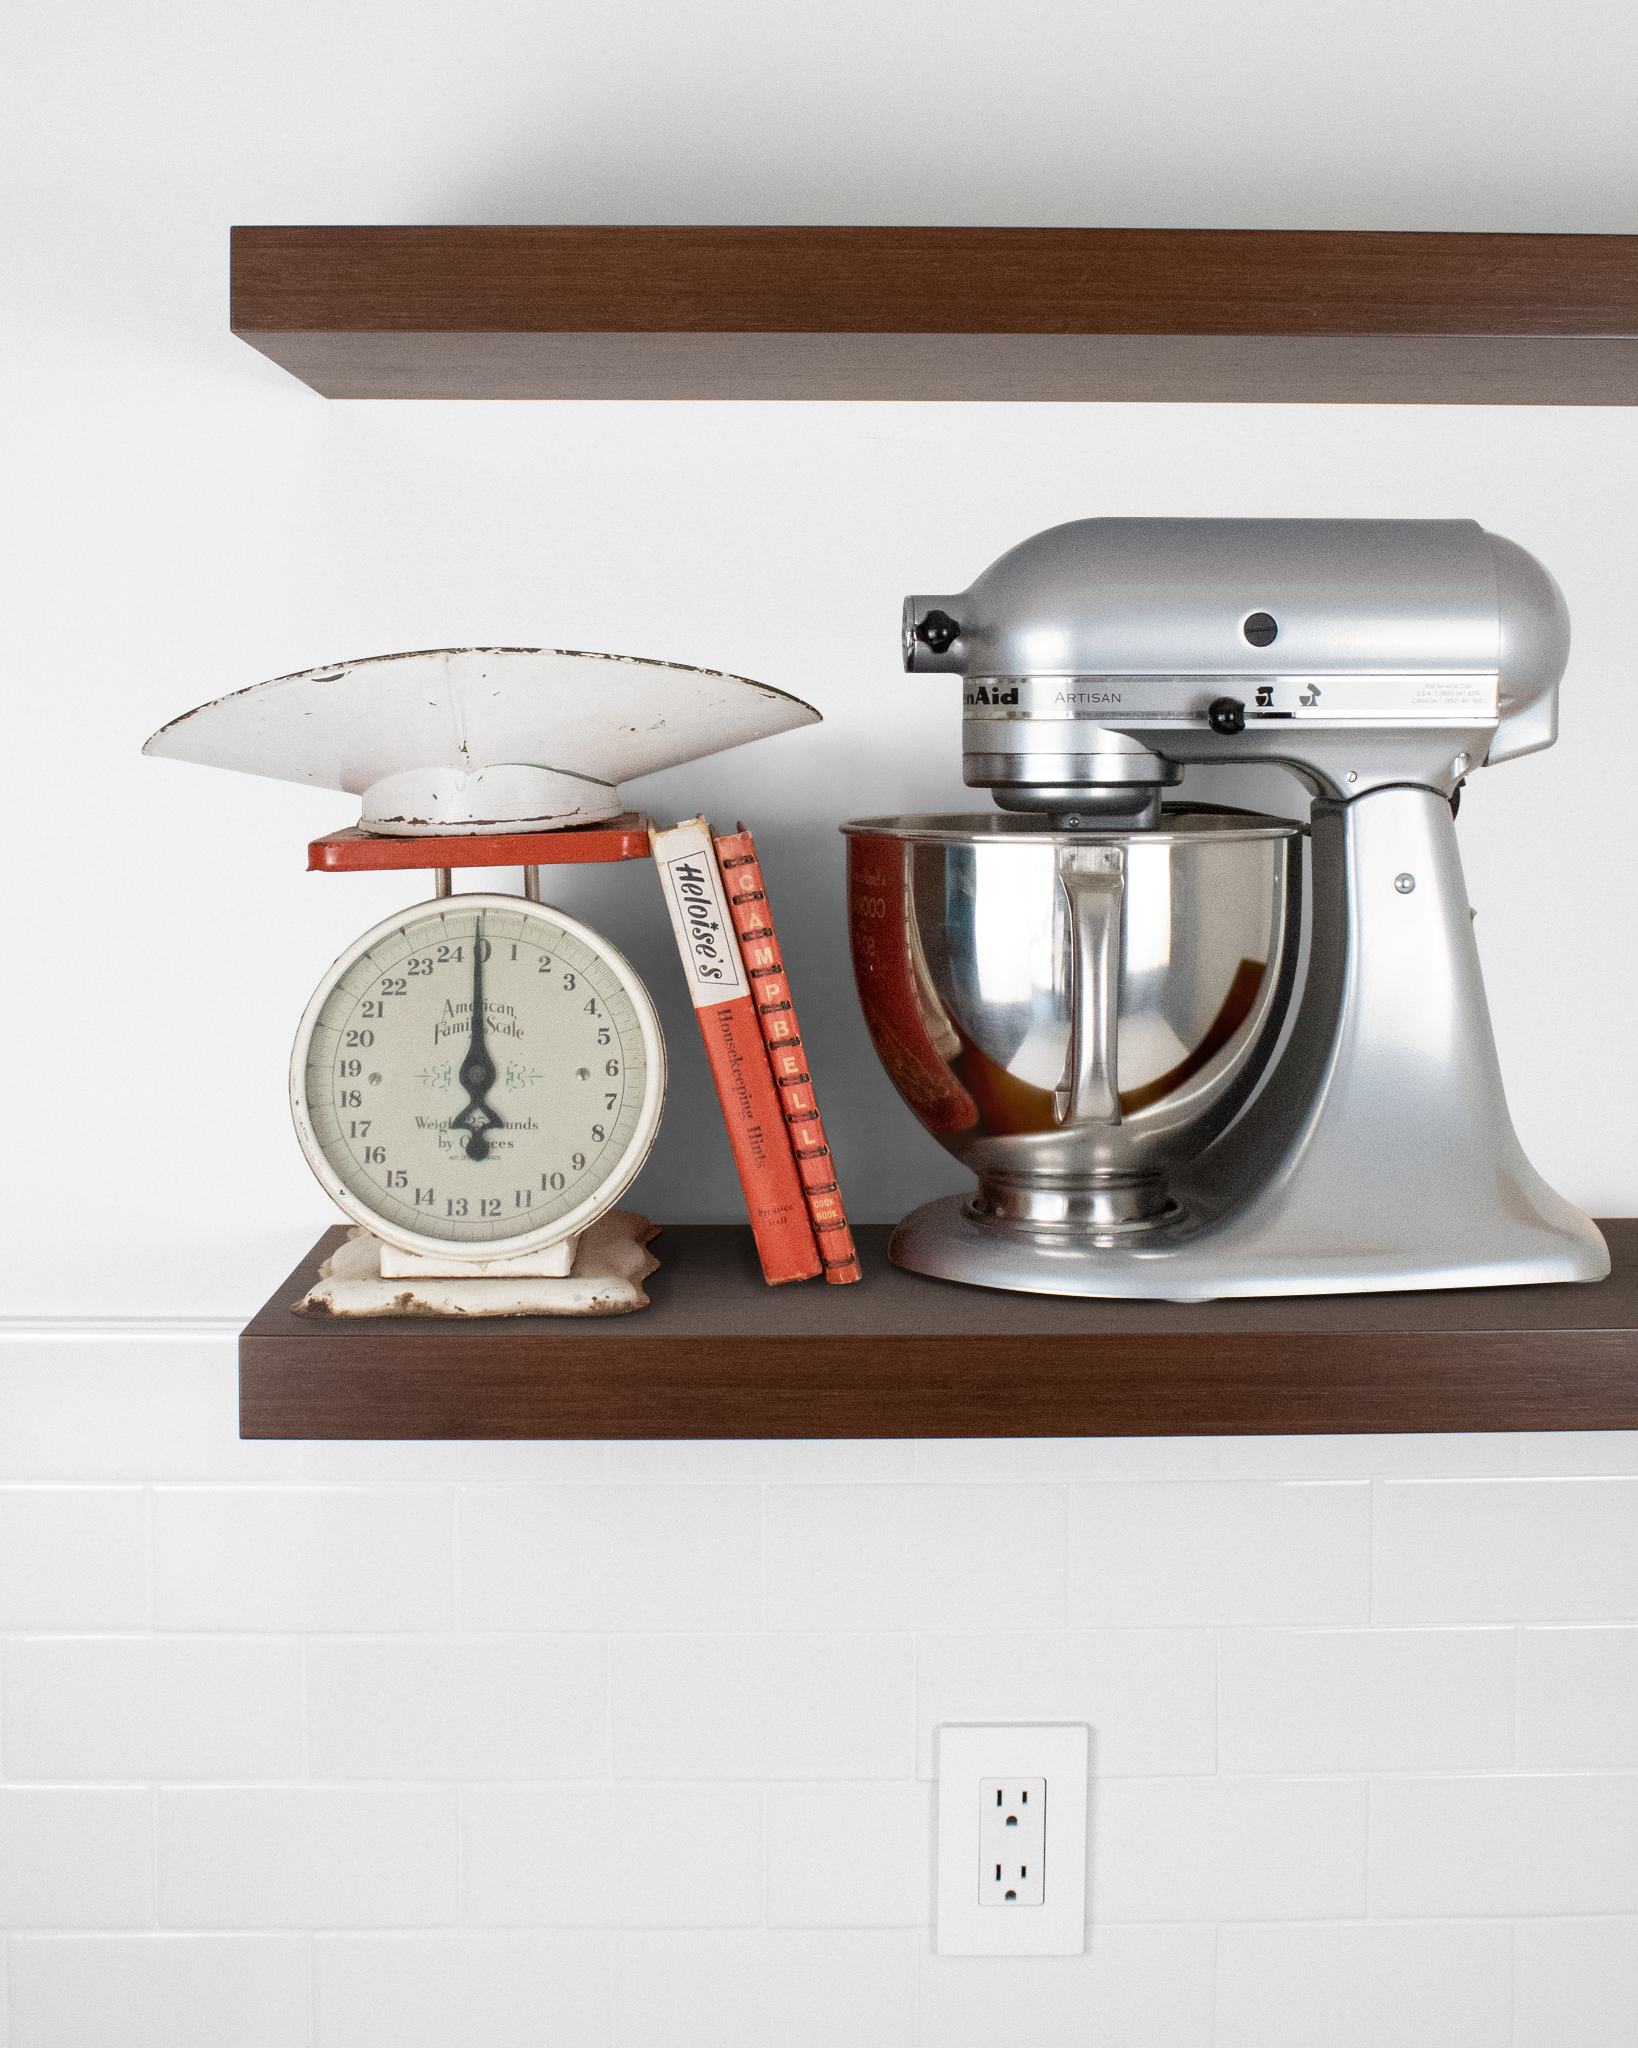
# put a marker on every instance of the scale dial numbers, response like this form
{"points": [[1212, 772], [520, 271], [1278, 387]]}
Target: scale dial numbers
{"points": [[480, 1072]]}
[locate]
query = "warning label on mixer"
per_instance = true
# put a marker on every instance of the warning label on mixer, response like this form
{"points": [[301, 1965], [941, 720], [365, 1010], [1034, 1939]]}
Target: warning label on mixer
{"points": [[1125, 701], [1434, 700]]}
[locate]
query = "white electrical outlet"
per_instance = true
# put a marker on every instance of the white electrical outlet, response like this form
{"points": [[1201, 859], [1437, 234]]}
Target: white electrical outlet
{"points": [[1012, 1840]]}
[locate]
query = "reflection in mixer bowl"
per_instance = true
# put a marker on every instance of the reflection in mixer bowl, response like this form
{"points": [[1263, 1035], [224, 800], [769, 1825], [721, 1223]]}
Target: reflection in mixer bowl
{"points": [[1074, 1014]]}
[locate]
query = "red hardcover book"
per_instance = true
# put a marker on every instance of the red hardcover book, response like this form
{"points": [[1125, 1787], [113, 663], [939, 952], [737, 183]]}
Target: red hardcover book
{"points": [[726, 1010], [765, 969]]}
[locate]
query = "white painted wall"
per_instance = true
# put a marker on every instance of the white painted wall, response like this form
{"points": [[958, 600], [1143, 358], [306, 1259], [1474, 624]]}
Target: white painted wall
{"points": [[285, 1729], [188, 519]]}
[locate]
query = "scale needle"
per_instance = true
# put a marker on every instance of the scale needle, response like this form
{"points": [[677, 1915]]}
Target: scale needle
{"points": [[477, 1069]]}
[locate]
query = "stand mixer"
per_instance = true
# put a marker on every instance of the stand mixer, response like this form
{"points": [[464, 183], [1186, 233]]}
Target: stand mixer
{"points": [[1087, 995]]}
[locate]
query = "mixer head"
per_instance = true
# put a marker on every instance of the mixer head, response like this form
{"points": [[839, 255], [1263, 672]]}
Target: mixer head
{"points": [[1104, 655]]}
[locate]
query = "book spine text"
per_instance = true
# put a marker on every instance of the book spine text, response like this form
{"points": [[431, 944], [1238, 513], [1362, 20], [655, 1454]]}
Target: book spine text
{"points": [[725, 1009], [764, 963]]}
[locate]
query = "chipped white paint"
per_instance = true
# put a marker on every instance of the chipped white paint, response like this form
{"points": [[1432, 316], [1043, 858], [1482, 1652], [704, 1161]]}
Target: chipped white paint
{"points": [[610, 1265], [478, 739], [553, 1262]]}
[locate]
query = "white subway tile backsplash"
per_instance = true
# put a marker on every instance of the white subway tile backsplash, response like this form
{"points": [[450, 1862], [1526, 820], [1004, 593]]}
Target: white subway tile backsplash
{"points": [[455, 1461], [86, 1408], [1227, 1849], [763, 1707], [1587, 1452], [1149, 1695], [850, 1855], [1578, 1698], [73, 1557], [468, 1744], [308, 1856], [1147, 1555], [611, 1557], [152, 1707], [76, 1858], [1445, 1847], [461, 1990], [1354, 1700], [1366, 1986], [899, 1557], [765, 1461], [130, 1408], [612, 1855], [1048, 1459], [1448, 1454], [1135, 1987], [466, 1707], [766, 1990], [1575, 1983], [310, 1559], [1507, 1550], [159, 1991]]}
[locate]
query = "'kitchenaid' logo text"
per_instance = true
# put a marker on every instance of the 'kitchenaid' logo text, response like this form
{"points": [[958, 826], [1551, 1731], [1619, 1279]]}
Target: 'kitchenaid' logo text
{"points": [[991, 694]]}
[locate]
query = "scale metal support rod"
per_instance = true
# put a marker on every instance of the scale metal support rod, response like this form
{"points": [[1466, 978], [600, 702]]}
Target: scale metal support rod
{"points": [[443, 881], [531, 884]]}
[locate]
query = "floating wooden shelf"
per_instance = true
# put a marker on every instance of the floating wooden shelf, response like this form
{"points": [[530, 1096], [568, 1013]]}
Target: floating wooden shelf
{"points": [[943, 313], [720, 1354]]}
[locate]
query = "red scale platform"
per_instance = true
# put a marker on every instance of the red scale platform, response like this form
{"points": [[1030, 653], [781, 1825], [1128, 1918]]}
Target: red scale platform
{"points": [[352, 851]]}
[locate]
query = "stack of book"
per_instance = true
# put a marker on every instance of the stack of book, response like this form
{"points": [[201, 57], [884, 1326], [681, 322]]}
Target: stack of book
{"points": [[730, 951]]}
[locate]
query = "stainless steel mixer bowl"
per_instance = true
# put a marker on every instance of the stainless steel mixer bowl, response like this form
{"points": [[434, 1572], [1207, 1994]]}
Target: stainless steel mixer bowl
{"points": [[1075, 1014]]}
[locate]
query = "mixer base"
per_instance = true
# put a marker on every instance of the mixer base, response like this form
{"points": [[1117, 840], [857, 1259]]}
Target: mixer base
{"points": [[1195, 1260]]}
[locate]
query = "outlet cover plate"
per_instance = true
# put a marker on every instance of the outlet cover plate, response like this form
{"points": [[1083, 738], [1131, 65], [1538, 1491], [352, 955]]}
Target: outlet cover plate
{"points": [[969, 1755]]}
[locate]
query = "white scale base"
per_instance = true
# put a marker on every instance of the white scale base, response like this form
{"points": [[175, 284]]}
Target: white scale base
{"points": [[610, 1262]]}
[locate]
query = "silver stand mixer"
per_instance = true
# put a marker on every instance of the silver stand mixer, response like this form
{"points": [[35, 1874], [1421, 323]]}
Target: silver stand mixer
{"points": [[1087, 995]]}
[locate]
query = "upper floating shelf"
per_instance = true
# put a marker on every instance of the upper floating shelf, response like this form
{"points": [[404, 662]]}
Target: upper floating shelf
{"points": [[943, 313]]}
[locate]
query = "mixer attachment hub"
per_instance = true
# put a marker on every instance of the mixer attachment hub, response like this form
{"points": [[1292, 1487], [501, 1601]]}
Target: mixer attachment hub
{"points": [[1096, 1204]]}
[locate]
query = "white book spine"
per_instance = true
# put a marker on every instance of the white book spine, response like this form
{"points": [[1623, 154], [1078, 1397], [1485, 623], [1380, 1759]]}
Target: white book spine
{"points": [[692, 885]]}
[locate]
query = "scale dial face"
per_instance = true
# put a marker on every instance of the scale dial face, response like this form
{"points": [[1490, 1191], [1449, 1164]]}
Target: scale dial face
{"points": [[480, 1075]]}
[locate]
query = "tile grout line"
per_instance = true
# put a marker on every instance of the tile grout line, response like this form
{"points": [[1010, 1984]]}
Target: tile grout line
{"points": [[608, 1709], [462, 1794], [305, 1707], [1366, 1913], [150, 1556], [1518, 1687], [457, 1586], [1371, 1557], [612, 1947], [1513, 1981], [762, 1558]]}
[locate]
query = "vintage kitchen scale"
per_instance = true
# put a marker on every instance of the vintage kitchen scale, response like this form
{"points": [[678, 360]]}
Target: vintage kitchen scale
{"points": [[1088, 996], [478, 1079]]}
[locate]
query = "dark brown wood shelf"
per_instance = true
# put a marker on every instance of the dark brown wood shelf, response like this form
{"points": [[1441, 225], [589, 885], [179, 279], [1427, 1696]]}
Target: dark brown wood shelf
{"points": [[943, 313], [720, 1354]]}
